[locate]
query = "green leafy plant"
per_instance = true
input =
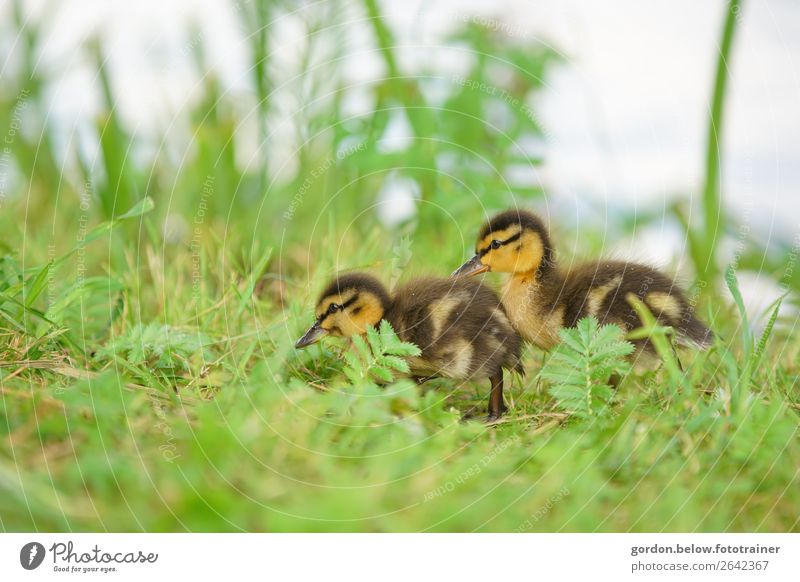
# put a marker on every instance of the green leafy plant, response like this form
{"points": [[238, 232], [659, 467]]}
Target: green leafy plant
{"points": [[159, 347], [377, 357], [582, 365], [741, 373], [21, 289], [304, 441]]}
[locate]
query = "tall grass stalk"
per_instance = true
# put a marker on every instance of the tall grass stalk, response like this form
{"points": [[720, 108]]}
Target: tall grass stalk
{"points": [[714, 219]]}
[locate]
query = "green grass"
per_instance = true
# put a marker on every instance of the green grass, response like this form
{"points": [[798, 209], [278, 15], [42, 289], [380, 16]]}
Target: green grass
{"points": [[148, 379], [704, 244]]}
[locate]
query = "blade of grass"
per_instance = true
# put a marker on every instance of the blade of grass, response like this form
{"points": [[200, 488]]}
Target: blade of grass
{"points": [[733, 286], [762, 341], [658, 334], [38, 284], [714, 219], [255, 276]]}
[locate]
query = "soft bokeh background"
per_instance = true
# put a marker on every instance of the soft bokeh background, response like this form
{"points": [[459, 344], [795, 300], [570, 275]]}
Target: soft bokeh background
{"points": [[623, 113], [178, 180]]}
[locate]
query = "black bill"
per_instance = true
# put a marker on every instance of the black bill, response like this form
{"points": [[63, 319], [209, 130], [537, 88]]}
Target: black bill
{"points": [[470, 268], [313, 335]]}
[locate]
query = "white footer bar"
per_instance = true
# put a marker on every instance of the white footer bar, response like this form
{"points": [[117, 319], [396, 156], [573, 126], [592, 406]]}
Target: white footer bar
{"points": [[402, 557]]}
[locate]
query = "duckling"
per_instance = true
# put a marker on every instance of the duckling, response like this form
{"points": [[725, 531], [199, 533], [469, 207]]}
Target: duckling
{"points": [[460, 326], [540, 299]]}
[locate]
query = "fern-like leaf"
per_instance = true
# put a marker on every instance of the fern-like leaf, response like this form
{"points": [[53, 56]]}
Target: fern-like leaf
{"points": [[159, 347], [580, 367], [379, 356]]}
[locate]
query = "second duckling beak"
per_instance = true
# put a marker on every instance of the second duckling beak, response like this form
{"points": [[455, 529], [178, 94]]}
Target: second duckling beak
{"points": [[312, 336], [470, 268]]}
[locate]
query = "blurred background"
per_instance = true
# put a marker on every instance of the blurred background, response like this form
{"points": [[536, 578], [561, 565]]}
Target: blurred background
{"points": [[385, 112], [178, 179]]}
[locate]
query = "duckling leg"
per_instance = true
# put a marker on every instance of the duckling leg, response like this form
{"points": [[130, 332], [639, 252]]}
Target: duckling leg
{"points": [[496, 405]]}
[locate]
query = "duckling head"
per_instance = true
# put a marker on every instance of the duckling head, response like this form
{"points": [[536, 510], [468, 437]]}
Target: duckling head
{"points": [[514, 241], [348, 306]]}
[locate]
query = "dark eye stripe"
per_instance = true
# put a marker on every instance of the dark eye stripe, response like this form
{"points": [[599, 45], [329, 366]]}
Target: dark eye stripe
{"points": [[502, 242], [345, 305], [350, 301]]}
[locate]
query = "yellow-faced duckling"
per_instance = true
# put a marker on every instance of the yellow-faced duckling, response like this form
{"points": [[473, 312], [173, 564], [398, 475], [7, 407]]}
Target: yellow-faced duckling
{"points": [[460, 326], [540, 299]]}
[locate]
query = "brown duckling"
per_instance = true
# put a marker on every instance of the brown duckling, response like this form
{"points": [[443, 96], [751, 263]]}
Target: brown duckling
{"points": [[460, 326], [540, 299]]}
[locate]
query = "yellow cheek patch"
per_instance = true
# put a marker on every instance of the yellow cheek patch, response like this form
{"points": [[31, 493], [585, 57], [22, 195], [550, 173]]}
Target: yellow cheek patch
{"points": [[530, 254], [520, 256], [343, 324], [356, 318], [367, 311], [665, 303]]}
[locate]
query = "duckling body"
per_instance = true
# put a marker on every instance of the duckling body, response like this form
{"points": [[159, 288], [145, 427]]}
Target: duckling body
{"points": [[537, 318], [540, 298], [462, 330], [460, 326]]}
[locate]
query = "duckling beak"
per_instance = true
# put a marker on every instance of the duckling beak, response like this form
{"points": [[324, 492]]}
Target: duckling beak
{"points": [[470, 268], [312, 336]]}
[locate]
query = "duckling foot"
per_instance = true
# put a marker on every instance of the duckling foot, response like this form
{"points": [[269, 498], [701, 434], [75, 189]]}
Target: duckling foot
{"points": [[492, 418]]}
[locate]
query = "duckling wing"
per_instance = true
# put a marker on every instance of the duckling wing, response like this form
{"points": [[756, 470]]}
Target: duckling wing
{"points": [[602, 289], [459, 326]]}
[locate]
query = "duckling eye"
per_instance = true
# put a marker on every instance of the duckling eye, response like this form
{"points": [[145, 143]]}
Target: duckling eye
{"points": [[334, 307], [496, 244]]}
